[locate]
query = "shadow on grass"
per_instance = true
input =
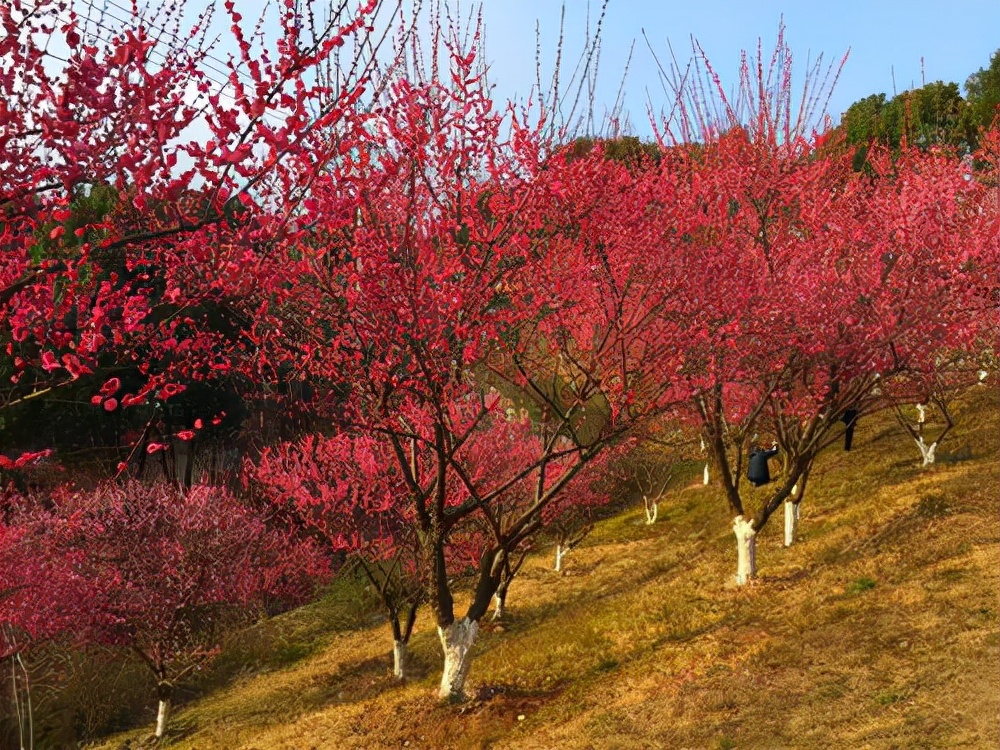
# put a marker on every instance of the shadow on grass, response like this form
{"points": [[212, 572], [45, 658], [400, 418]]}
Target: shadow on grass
{"points": [[521, 619], [352, 683]]}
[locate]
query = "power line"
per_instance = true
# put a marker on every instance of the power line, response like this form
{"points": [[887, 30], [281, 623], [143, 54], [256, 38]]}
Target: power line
{"points": [[176, 37], [221, 84], [229, 68], [110, 33]]}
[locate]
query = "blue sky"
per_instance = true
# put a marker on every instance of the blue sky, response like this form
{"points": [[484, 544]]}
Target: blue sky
{"points": [[893, 44], [886, 38]]}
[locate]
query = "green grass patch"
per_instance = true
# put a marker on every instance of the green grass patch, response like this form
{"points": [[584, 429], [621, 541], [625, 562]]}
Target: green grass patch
{"points": [[860, 585]]}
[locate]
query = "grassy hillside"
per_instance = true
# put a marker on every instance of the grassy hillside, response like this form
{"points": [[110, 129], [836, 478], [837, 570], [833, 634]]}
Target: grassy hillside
{"points": [[878, 629]]}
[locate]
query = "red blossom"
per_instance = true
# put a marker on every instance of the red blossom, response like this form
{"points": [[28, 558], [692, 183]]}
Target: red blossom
{"points": [[49, 362], [110, 387]]}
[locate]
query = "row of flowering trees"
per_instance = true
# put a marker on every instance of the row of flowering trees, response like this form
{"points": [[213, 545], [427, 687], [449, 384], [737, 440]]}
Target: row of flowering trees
{"points": [[457, 318]]}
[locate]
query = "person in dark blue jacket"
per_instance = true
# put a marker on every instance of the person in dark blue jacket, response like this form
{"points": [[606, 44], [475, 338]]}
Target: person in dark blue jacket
{"points": [[757, 471], [850, 419]]}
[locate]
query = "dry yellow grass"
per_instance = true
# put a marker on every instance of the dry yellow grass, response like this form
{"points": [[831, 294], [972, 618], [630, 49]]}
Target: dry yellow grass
{"points": [[878, 630]]}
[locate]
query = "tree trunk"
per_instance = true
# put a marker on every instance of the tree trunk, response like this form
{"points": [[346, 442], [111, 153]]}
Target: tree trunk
{"points": [[561, 552], [926, 451], [456, 640], [500, 601], [162, 716], [746, 550], [400, 656], [164, 691], [498, 607], [704, 479], [183, 468], [791, 521], [401, 632], [651, 509]]}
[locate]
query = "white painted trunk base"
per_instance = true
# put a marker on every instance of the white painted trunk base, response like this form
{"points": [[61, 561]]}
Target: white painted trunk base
{"points": [[746, 550], [162, 717], [651, 510], [704, 478], [456, 641], [399, 656], [498, 607], [792, 511], [561, 552], [921, 413], [926, 451]]}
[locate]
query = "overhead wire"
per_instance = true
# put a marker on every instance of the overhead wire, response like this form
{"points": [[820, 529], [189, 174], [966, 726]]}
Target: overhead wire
{"points": [[223, 85], [99, 19], [228, 65], [173, 35]]}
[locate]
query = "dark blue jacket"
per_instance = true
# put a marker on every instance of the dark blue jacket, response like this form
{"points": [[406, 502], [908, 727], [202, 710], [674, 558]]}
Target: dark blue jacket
{"points": [[850, 418], [757, 472]]}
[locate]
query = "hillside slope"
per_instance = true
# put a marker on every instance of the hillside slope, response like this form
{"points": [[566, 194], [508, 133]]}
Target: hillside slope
{"points": [[879, 629]]}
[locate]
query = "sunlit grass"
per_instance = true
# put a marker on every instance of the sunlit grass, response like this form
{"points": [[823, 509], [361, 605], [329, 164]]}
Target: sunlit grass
{"points": [[879, 628]]}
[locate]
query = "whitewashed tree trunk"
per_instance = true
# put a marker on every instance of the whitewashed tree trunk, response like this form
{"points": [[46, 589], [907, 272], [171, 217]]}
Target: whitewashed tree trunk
{"points": [[704, 478], [926, 451], [561, 552], [400, 655], [921, 414], [791, 522], [746, 550], [162, 717], [651, 509], [498, 607], [456, 640]]}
